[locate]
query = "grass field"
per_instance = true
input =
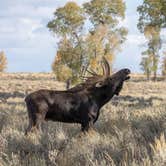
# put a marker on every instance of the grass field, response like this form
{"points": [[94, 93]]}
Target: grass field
{"points": [[130, 131]]}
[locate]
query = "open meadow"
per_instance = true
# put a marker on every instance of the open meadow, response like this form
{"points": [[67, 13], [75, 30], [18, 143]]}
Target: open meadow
{"points": [[131, 129]]}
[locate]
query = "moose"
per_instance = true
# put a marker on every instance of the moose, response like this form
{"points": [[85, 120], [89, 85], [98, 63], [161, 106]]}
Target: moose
{"points": [[80, 104]]}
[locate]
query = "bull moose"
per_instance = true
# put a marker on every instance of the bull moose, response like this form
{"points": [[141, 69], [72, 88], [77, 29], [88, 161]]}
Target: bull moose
{"points": [[80, 104]]}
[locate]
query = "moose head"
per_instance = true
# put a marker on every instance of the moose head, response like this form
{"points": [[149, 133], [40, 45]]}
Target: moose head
{"points": [[105, 86]]}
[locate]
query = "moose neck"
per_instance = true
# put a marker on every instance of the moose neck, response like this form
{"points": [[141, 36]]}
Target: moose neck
{"points": [[102, 97]]}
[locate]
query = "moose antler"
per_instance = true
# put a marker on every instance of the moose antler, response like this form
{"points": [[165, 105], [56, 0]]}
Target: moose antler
{"points": [[94, 76], [105, 67], [90, 71]]}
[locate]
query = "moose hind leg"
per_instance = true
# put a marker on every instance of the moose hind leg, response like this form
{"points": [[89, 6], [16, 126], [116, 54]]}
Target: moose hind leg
{"points": [[34, 124], [29, 127], [31, 123], [34, 118]]}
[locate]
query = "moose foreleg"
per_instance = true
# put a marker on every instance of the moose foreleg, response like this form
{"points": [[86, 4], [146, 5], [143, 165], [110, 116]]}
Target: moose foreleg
{"points": [[85, 127]]}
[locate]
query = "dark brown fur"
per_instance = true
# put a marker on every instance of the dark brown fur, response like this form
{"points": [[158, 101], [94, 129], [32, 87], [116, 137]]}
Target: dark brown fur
{"points": [[80, 104]]}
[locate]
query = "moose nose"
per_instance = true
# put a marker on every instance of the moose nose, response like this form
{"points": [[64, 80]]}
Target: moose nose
{"points": [[127, 71]]}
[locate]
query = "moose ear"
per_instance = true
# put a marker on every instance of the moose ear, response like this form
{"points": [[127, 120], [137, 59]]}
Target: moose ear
{"points": [[99, 84]]}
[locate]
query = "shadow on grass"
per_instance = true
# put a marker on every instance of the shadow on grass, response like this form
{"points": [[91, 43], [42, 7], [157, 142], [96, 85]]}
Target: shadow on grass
{"points": [[5, 95], [138, 132], [135, 102], [28, 152]]}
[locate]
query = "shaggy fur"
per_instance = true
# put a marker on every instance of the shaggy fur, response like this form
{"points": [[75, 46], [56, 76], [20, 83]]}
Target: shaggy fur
{"points": [[80, 104]]}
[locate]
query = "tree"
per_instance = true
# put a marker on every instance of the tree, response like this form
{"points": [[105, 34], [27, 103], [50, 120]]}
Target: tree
{"points": [[154, 45], [62, 72], [105, 11], [68, 19], [103, 42], [67, 58], [152, 12], [151, 19], [163, 67], [78, 48], [3, 61], [146, 65], [67, 24], [105, 37]]}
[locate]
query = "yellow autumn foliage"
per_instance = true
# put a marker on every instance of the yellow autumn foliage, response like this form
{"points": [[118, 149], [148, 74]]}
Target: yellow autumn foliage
{"points": [[3, 61], [61, 71]]}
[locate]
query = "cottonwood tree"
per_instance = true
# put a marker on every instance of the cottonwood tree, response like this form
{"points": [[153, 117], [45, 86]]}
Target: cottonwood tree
{"points": [[103, 42], [152, 12], [67, 20], [79, 48], [146, 64], [163, 67], [105, 11], [3, 61], [67, 24], [105, 37], [152, 17], [154, 46], [62, 71]]}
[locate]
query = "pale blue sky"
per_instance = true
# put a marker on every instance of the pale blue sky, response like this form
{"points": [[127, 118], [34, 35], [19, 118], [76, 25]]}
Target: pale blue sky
{"points": [[30, 47]]}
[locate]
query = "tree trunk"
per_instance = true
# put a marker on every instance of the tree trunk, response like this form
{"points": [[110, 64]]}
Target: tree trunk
{"points": [[148, 74], [154, 67], [155, 76]]}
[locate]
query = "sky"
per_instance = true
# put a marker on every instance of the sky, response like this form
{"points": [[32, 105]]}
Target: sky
{"points": [[30, 46]]}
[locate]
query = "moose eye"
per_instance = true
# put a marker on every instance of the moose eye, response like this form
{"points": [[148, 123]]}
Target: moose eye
{"points": [[99, 84]]}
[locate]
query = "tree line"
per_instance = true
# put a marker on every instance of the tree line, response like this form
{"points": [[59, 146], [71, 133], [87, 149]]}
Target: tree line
{"points": [[88, 32], [152, 19]]}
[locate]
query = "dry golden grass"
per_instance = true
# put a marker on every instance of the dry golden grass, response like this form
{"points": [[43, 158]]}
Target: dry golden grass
{"points": [[130, 131]]}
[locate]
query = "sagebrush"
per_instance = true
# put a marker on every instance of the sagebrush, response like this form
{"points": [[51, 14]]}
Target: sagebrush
{"points": [[130, 131]]}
